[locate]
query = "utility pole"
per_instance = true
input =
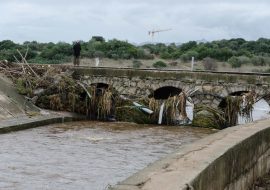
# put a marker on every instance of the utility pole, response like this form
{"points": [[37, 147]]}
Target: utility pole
{"points": [[192, 63]]}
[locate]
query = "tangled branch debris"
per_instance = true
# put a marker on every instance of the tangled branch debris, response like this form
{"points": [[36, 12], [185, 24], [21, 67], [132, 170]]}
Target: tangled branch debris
{"points": [[54, 88], [235, 106], [174, 110]]}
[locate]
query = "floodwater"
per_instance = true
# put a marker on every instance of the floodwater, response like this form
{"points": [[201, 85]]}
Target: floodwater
{"points": [[85, 155], [261, 110], [90, 155]]}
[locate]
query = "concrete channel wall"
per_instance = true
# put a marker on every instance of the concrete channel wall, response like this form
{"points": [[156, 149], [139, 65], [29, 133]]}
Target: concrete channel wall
{"points": [[227, 160], [22, 123]]}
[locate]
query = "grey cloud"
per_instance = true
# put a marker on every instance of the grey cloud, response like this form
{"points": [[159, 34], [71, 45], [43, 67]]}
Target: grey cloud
{"points": [[66, 20]]}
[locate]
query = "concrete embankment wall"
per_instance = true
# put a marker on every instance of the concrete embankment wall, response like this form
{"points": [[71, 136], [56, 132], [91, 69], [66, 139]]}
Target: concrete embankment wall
{"points": [[23, 123], [227, 160], [15, 111], [12, 104]]}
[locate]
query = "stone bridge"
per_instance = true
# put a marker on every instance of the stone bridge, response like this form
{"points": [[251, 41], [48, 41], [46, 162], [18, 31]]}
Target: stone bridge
{"points": [[204, 87]]}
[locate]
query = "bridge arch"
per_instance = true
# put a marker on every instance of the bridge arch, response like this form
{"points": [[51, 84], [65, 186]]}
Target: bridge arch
{"points": [[223, 103], [261, 94], [218, 98], [105, 82], [100, 85], [266, 97], [165, 92]]}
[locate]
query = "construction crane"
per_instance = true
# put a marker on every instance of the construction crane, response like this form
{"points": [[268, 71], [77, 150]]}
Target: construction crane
{"points": [[152, 32]]}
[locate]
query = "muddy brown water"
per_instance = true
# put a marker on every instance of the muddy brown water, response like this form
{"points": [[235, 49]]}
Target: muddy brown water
{"points": [[85, 155]]}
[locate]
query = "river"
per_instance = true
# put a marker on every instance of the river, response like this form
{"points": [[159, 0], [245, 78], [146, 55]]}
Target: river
{"points": [[89, 155], [85, 155]]}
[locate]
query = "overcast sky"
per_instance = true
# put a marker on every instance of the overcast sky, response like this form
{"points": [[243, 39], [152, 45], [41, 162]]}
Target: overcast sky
{"points": [[68, 20]]}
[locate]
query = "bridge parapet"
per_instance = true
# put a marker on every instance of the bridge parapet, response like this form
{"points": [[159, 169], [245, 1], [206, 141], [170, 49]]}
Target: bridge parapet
{"points": [[183, 75]]}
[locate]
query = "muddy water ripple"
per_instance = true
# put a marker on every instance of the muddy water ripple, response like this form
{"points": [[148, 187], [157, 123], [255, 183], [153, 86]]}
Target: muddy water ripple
{"points": [[84, 155]]}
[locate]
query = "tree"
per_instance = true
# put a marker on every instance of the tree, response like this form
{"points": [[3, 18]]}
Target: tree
{"points": [[98, 38], [8, 44], [188, 46], [188, 55]]}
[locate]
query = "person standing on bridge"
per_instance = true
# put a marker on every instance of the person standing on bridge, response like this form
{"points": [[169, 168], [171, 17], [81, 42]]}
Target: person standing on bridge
{"points": [[76, 53]]}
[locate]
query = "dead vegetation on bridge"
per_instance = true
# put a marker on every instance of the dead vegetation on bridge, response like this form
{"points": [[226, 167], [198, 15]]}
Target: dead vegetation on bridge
{"points": [[53, 87], [226, 115]]}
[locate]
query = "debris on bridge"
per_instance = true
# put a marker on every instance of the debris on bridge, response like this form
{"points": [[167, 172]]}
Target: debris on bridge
{"points": [[174, 111], [54, 87], [127, 111], [208, 117], [239, 106], [226, 116]]}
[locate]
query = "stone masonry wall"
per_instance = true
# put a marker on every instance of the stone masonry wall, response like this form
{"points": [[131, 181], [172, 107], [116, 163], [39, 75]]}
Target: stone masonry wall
{"points": [[209, 88]]}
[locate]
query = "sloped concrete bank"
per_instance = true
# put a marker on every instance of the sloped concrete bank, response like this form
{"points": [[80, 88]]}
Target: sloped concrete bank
{"points": [[15, 111], [12, 104], [231, 159], [23, 123]]}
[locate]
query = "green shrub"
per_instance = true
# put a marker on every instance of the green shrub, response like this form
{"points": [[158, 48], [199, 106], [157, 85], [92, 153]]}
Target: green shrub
{"points": [[137, 64], [140, 53], [184, 58], [188, 55], [22, 87], [165, 55], [99, 54], [267, 60], [258, 61], [267, 71], [148, 56], [159, 64], [88, 54], [234, 61], [244, 60], [115, 56]]}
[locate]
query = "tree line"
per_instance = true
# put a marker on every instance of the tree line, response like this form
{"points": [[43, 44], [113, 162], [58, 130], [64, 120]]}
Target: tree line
{"points": [[234, 51]]}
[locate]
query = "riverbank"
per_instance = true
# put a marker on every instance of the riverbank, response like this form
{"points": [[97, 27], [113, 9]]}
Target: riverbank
{"points": [[23, 122], [19, 113], [12, 104]]}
